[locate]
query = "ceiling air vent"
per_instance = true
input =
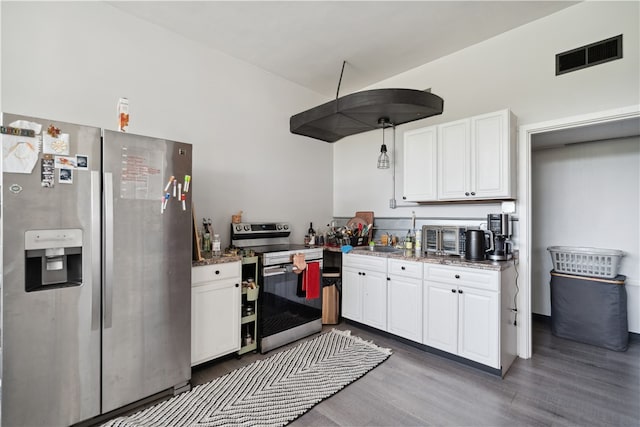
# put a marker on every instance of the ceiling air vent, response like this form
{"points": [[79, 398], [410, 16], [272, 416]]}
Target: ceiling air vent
{"points": [[591, 54]]}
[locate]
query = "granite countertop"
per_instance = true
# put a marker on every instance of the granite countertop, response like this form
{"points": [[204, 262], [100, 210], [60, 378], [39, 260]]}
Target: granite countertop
{"points": [[216, 260], [436, 259], [405, 255]]}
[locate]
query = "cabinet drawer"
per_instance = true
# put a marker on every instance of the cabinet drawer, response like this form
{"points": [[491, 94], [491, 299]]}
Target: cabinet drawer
{"points": [[404, 268], [365, 262], [472, 277], [207, 273]]}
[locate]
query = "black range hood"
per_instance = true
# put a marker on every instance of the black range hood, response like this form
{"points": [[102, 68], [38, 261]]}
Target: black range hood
{"points": [[362, 111]]}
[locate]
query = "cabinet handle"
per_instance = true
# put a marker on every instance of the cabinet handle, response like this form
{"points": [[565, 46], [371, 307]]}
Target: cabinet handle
{"points": [[388, 278], [237, 285], [459, 291], [457, 276], [404, 197], [453, 291], [466, 193], [364, 274], [473, 193], [402, 268], [217, 271]]}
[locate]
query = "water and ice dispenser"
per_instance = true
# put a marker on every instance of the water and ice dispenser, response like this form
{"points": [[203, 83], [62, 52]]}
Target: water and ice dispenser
{"points": [[53, 258]]}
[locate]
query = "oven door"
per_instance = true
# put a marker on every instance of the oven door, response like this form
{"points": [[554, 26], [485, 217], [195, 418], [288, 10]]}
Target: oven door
{"points": [[283, 303]]}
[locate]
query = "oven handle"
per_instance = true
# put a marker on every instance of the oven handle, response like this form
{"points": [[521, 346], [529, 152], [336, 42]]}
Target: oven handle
{"points": [[275, 271], [283, 269]]}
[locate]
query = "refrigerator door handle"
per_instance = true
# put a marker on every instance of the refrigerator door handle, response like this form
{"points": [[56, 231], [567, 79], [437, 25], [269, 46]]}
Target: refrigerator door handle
{"points": [[95, 250], [108, 249]]}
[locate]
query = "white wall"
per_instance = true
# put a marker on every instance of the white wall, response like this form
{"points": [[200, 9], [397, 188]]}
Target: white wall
{"points": [[514, 70], [72, 61]]}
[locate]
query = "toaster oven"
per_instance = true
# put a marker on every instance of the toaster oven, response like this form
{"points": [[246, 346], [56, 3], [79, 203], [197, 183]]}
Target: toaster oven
{"points": [[444, 239]]}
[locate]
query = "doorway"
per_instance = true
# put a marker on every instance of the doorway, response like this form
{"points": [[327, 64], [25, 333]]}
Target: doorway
{"points": [[596, 126]]}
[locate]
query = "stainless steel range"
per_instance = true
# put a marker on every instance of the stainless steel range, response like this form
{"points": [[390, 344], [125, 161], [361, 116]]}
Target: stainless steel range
{"points": [[285, 313]]}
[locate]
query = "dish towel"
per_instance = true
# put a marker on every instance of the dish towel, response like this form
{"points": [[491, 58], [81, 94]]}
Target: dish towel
{"points": [[311, 280]]}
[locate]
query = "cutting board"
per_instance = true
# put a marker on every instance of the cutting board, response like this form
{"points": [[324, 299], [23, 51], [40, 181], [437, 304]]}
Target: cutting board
{"points": [[368, 217]]}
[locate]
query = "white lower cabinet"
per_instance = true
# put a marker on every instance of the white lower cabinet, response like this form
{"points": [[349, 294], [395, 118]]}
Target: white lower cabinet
{"points": [[463, 314], [374, 299], [404, 299], [441, 317], [464, 311], [351, 293], [364, 290], [478, 326], [215, 311]]}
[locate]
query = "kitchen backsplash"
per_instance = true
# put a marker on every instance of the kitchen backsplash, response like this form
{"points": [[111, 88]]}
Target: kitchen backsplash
{"points": [[399, 226]]}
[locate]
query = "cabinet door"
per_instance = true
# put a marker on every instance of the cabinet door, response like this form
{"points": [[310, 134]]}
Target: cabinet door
{"points": [[420, 165], [374, 299], [404, 303], [490, 155], [215, 319], [441, 316], [478, 334], [454, 169], [351, 294]]}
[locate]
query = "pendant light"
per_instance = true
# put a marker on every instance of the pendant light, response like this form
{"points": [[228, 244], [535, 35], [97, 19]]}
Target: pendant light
{"points": [[383, 158]]}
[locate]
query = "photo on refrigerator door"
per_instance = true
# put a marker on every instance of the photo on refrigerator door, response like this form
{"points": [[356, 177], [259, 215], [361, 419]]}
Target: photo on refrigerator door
{"points": [[65, 176]]}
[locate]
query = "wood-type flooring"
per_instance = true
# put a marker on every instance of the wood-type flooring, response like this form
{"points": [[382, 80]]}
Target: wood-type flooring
{"points": [[565, 383]]}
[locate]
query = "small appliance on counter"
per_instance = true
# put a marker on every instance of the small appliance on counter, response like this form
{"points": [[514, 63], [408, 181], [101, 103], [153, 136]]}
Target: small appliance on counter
{"points": [[478, 244], [444, 239], [500, 226]]}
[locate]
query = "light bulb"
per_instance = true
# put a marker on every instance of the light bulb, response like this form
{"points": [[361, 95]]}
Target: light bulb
{"points": [[383, 158]]}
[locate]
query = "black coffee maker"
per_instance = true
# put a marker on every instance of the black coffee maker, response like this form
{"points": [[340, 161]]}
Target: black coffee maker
{"points": [[500, 226]]}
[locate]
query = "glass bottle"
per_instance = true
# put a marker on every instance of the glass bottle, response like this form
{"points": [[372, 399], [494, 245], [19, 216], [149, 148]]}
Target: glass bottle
{"points": [[408, 242], [216, 245], [206, 242]]}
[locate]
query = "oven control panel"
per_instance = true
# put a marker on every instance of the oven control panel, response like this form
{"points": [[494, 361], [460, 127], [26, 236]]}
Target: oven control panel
{"points": [[260, 229]]}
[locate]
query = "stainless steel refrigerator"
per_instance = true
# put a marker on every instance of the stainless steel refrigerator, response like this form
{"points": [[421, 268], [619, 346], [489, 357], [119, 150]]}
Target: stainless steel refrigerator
{"points": [[96, 275]]}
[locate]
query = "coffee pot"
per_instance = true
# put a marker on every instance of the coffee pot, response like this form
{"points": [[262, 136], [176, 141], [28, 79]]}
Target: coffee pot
{"points": [[500, 225], [477, 244]]}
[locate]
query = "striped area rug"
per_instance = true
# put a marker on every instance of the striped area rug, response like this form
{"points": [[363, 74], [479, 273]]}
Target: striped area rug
{"points": [[269, 392]]}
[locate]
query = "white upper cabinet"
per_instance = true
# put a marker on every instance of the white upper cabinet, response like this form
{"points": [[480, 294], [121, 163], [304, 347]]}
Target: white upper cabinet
{"points": [[493, 149], [468, 159], [454, 160], [420, 165]]}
